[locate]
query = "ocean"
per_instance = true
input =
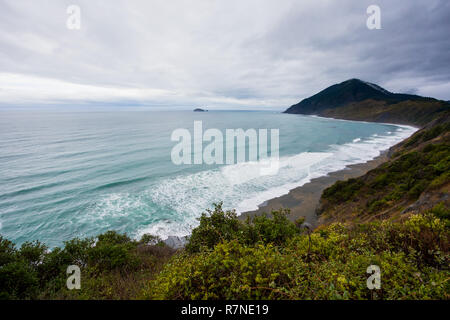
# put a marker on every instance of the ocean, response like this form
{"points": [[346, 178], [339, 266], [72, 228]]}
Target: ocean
{"points": [[78, 172]]}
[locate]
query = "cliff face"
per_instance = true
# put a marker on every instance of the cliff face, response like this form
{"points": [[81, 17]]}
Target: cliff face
{"points": [[359, 100]]}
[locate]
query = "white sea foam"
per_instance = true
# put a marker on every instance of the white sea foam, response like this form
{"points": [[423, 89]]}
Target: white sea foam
{"points": [[247, 171], [117, 205], [164, 229]]}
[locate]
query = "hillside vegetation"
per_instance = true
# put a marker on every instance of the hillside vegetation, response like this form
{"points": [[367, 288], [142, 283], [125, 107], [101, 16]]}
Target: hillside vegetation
{"points": [[416, 178], [113, 266]]}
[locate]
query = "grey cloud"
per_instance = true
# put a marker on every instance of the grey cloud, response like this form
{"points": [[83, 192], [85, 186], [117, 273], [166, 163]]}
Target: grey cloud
{"points": [[226, 53]]}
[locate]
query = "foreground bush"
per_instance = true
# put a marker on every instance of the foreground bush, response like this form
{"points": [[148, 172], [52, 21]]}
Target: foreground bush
{"points": [[218, 225], [113, 266], [331, 263]]}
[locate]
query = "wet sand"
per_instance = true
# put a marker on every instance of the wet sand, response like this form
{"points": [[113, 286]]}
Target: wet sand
{"points": [[303, 201]]}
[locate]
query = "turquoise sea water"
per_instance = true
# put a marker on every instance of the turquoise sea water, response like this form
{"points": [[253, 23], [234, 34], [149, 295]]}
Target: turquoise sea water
{"points": [[80, 172]]}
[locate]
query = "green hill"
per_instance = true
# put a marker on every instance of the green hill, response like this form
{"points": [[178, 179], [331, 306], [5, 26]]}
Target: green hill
{"points": [[359, 100]]}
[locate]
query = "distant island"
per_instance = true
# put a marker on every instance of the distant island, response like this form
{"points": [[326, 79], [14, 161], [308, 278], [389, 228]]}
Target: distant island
{"points": [[200, 110]]}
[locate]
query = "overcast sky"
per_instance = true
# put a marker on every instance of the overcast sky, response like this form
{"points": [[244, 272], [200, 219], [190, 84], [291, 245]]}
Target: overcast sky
{"points": [[220, 54]]}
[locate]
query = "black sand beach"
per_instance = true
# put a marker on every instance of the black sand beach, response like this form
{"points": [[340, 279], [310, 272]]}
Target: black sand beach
{"points": [[303, 201]]}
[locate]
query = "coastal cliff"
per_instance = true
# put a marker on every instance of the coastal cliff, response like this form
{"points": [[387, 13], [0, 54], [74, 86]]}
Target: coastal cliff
{"points": [[414, 179]]}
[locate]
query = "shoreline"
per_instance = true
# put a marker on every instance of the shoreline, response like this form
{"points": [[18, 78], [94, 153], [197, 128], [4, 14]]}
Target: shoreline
{"points": [[304, 200]]}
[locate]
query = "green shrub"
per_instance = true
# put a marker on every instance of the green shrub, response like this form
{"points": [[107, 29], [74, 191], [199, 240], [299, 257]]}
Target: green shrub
{"points": [[442, 212], [77, 251], [149, 239], [18, 280], [33, 272], [331, 263], [377, 205], [109, 257], [113, 238], [276, 230], [417, 189], [343, 190], [231, 271], [7, 251], [215, 226], [32, 253]]}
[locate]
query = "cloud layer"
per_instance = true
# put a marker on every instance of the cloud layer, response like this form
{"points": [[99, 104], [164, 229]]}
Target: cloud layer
{"points": [[240, 54]]}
